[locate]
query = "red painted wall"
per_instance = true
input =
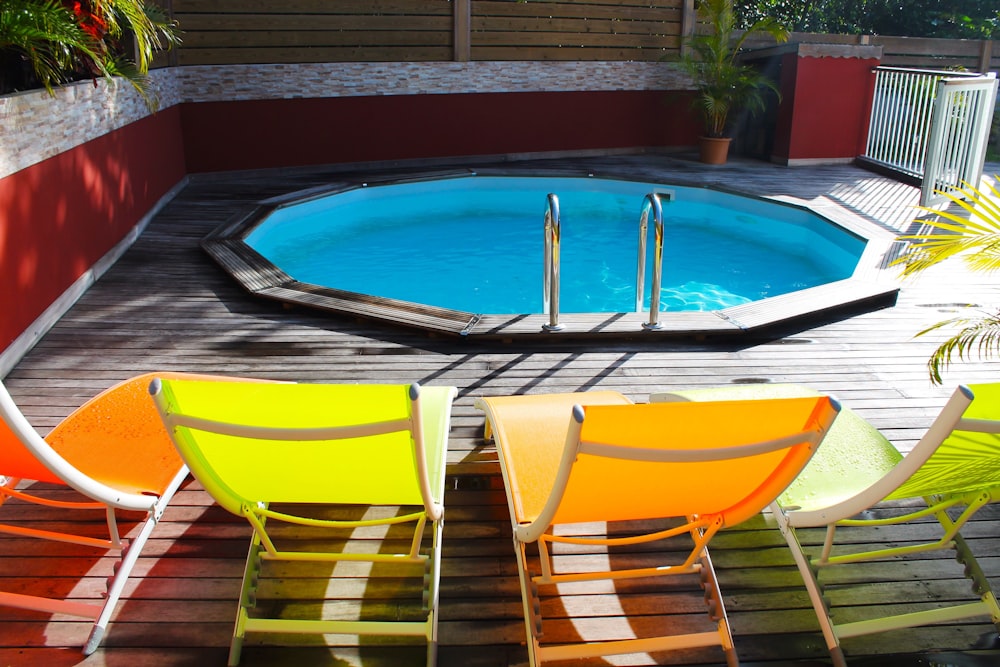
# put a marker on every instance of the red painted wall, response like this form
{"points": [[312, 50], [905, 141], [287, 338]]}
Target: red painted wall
{"points": [[825, 107], [62, 215], [786, 108], [273, 133]]}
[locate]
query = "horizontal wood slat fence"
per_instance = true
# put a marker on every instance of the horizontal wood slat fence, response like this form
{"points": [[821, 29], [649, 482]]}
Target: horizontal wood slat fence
{"points": [[220, 32], [918, 52], [298, 31]]}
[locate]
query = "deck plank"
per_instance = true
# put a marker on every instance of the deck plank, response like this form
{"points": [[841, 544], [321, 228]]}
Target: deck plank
{"points": [[166, 305]]}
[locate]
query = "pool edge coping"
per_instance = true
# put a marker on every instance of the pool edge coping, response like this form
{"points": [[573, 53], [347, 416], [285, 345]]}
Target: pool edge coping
{"points": [[258, 276]]}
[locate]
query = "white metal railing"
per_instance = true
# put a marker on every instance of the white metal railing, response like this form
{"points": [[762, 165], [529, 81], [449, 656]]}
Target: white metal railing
{"points": [[550, 263], [959, 132], [911, 118]]}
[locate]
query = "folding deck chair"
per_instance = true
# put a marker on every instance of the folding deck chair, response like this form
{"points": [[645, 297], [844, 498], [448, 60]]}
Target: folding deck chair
{"points": [[595, 457], [114, 451], [310, 446], [954, 470]]}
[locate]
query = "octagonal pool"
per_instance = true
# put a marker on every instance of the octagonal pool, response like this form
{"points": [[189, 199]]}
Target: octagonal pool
{"points": [[473, 245]]}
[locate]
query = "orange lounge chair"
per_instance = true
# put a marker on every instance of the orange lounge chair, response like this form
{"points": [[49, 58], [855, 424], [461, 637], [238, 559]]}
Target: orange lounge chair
{"points": [[595, 457], [115, 452]]}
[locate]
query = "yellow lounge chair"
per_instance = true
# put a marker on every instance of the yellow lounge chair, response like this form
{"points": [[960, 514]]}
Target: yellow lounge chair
{"points": [[954, 469], [313, 445], [114, 451], [595, 457]]}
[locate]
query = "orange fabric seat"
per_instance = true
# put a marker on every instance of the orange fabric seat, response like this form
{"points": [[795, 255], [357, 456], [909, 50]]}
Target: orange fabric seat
{"points": [[113, 422], [115, 451], [533, 444], [592, 457]]}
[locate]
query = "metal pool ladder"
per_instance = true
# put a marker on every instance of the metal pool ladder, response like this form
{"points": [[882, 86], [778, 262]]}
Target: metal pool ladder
{"points": [[553, 234], [550, 288], [651, 204]]}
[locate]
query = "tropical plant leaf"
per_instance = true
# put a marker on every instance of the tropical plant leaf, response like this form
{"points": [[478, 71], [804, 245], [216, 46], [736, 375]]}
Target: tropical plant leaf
{"points": [[61, 44], [710, 59], [47, 35], [978, 338], [975, 238]]}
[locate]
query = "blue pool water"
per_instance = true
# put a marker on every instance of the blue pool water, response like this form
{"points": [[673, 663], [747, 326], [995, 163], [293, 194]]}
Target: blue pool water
{"points": [[475, 244]]}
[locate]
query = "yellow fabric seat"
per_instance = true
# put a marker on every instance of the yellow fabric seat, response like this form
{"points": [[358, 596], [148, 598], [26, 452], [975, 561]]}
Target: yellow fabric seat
{"points": [[595, 457], [312, 446]]}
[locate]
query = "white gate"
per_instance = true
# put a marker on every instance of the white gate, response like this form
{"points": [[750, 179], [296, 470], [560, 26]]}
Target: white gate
{"points": [[960, 130], [931, 126]]}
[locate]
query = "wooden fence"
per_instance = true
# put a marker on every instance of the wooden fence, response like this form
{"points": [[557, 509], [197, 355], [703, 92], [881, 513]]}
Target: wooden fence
{"points": [[300, 31], [220, 32], [919, 52]]}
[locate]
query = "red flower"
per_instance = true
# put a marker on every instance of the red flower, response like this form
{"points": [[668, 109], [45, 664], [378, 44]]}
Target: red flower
{"points": [[91, 23]]}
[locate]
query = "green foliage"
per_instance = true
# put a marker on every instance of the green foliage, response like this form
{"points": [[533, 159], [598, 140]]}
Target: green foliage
{"points": [[993, 146], [978, 337], [710, 59], [47, 35], [959, 19], [63, 41], [973, 235]]}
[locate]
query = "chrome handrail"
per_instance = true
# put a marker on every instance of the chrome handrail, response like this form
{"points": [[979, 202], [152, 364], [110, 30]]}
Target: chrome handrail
{"points": [[650, 203], [550, 287], [640, 263]]}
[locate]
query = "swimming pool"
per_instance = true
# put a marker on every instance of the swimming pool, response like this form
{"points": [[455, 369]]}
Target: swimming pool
{"points": [[475, 244], [472, 264]]}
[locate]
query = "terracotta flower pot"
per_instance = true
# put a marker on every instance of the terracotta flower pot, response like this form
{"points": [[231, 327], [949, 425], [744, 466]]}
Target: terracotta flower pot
{"points": [[714, 150]]}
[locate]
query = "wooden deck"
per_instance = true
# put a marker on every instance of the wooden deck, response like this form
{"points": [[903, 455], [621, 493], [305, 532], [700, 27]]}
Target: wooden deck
{"points": [[166, 306]]}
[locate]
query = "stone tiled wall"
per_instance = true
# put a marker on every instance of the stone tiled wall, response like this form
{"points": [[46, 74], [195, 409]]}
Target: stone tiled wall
{"points": [[257, 82], [35, 126]]}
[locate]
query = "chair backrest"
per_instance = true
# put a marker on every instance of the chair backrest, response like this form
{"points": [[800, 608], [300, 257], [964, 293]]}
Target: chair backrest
{"points": [[21, 448], [310, 443], [961, 450], [850, 439], [74, 453], [725, 458]]}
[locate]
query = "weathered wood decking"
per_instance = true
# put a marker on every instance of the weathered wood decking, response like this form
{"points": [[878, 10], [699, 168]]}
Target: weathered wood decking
{"points": [[166, 305]]}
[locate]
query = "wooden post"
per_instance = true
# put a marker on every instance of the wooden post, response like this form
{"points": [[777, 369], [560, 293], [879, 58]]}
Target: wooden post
{"points": [[689, 22], [462, 40], [985, 55], [172, 60]]}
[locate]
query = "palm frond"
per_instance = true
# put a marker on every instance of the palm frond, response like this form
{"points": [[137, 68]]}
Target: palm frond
{"points": [[974, 236], [59, 45], [765, 26], [138, 79], [47, 35], [978, 338]]}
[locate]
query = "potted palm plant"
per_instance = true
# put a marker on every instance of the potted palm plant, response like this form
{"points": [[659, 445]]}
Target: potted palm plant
{"points": [[723, 84]]}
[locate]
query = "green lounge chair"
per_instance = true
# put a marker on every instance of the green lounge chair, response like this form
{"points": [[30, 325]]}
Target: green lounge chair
{"points": [[954, 470]]}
